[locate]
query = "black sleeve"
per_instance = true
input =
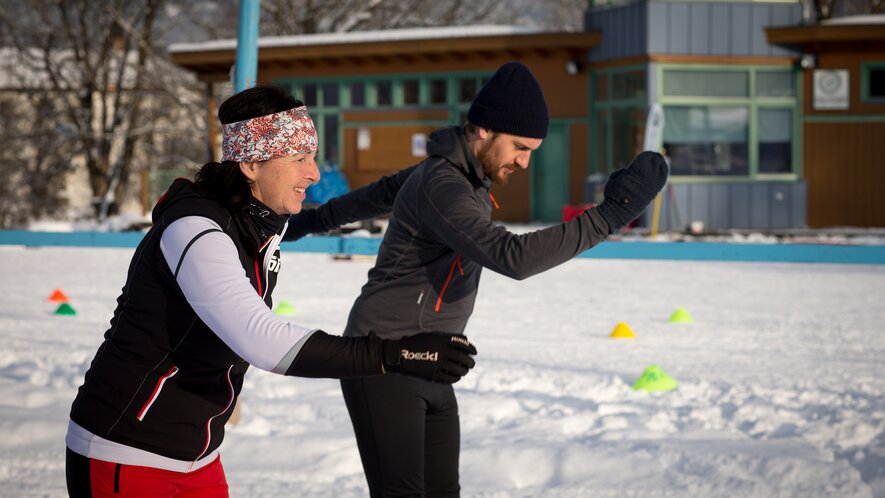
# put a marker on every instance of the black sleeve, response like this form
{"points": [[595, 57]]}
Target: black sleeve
{"points": [[363, 203], [335, 357], [450, 210]]}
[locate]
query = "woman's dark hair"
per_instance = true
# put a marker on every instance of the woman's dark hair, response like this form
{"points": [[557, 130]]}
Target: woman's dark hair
{"points": [[224, 180]]}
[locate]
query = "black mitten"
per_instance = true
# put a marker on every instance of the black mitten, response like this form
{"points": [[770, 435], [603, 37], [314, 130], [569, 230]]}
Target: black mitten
{"points": [[432, 356], [630, 190]]}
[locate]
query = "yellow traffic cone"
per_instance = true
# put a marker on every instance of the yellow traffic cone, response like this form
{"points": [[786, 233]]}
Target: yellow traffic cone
{"points": [[622, 331]]}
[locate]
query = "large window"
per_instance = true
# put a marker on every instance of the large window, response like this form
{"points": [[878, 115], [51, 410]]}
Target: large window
{"points": [[707, 140], [323, 100], [328, 98], [725, 121], [620, 106]]}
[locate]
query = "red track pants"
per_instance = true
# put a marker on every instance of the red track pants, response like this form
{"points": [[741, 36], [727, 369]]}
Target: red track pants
{"points": [[88, 478]]}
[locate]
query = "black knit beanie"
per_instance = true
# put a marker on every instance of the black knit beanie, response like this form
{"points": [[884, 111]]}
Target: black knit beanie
{"points": [[511, 102]]}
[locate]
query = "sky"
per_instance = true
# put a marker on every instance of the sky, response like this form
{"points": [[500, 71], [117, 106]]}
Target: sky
{"points": [[780, 380]]}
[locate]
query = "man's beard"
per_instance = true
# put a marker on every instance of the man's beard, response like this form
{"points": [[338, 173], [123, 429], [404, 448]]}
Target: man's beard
{"points": [[492, 171]]}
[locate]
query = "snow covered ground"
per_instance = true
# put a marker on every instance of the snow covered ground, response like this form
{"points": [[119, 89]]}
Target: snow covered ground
{"points": [[781, 380]]}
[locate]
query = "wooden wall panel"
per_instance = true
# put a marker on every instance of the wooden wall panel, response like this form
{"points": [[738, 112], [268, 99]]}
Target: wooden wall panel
{"points": [[390, 150], [514, 198], [845, 172], [578, 159]]}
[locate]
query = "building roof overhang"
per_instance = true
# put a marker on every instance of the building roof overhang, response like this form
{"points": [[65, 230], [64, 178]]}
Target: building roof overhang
{"points": [[211, 61], [861, 32]]}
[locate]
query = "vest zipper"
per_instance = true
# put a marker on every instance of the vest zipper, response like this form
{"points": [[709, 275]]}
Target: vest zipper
{"points": [[258, 274], [230, 401], [156, 394]]}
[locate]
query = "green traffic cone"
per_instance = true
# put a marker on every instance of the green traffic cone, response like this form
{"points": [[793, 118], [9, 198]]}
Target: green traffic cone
{"points": [[655, 379], [681, 315], [285, 309], [65, 309]]}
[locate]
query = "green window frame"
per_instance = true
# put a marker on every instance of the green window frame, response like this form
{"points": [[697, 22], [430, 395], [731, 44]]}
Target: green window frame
{"points": [[758, 100], [866, 69], [610, 108], [455, 101]]}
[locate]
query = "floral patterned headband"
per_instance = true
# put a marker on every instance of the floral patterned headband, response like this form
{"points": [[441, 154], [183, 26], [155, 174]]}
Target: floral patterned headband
{"points": [[267, 137]]}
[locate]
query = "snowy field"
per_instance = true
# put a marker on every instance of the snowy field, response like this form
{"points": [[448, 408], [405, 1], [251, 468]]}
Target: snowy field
{"points": [[782, 380]]}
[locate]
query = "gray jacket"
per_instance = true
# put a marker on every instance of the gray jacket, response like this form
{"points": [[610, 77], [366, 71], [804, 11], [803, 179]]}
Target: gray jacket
{"points": [[440, 237]]}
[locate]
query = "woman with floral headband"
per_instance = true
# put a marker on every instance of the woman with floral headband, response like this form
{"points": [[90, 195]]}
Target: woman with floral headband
{"points": [[195, 312]]}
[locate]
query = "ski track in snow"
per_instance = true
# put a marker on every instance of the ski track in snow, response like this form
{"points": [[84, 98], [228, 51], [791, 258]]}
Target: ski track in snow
{"points": [[780, 380]]}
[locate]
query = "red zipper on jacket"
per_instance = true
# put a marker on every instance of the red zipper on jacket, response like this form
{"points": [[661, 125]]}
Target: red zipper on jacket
{"points": [[258, 274], [455, 263], [230, 401], [258, 267], [156, 393]]}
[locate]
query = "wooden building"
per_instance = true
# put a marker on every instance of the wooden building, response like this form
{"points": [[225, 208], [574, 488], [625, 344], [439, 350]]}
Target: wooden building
{"points": [[843, 118], [754, 139], [376, 96], [730, 103]]}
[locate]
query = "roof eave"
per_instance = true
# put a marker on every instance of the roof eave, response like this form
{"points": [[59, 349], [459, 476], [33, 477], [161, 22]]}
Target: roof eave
{"points": [[214, 61], [817, 34]]}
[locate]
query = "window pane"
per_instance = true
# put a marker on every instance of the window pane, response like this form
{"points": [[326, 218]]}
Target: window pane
{"points": [[628, 85], [877, 83], [774, 84], [330, 137], [466, 89], [601, 143], [410, 92], [309, 94], [706, 83], [707, 140], [384, 95], [330, 94], [628, 131], [358, 94], [775, 140], [438, 90]]}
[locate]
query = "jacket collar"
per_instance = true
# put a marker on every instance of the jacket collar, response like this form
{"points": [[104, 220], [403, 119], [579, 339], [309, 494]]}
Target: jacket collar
{"points": [[451, 144]]}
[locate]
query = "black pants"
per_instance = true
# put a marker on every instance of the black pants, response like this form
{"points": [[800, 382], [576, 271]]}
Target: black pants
{"points": [[77, 475], [408, 434]]}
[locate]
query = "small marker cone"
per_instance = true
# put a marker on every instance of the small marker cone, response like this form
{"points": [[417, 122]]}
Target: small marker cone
{"points": [[681, 315], [65, 309], [655, 379], [286, 309], [622, 331], [57, 296]]}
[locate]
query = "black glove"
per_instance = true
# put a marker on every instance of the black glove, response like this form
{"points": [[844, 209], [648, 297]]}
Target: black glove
{"points": [[630, 190], [432, 356]]}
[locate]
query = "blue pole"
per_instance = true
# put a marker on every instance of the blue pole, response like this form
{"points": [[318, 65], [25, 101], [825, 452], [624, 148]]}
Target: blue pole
{"points": [[246, 65]]}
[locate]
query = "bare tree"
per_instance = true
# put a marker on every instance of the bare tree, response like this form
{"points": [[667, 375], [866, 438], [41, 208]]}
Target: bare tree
{"points": [[826, 9], [89, 87], [92, 57], [36, 159], [289, 17]]}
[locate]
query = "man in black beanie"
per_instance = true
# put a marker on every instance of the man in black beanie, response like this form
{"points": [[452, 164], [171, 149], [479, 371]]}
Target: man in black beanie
{"points": [[439, 238]]}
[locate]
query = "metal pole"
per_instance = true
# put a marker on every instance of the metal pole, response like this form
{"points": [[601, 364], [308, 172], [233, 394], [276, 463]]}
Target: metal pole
{"points": [[246, 66]]}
